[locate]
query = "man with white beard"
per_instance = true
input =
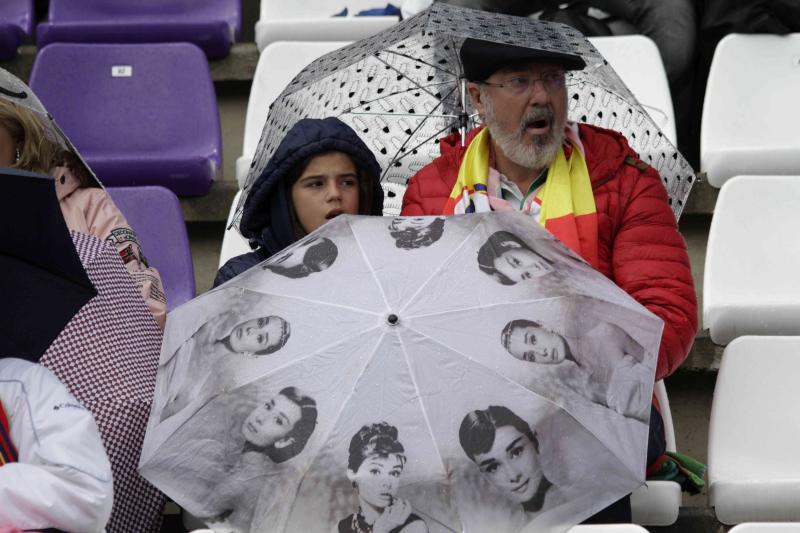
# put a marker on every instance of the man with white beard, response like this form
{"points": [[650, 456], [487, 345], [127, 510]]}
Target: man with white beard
{"points": [[582, 183]]}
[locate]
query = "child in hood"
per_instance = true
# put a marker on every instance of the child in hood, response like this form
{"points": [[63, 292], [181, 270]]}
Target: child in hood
{"points": [[320, 170]]}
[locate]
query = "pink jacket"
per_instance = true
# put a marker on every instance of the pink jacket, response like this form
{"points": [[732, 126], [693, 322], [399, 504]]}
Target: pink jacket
{"points": [[91, 210]]}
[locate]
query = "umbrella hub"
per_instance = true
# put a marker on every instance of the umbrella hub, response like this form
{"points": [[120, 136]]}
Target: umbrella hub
{"points": [[392, 319]]}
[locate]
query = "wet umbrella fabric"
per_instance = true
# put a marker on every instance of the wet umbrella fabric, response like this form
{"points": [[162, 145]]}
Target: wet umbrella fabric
{"points": [[406, 332], [403, 89], [16, 91], [43, 282], [107, 356]]}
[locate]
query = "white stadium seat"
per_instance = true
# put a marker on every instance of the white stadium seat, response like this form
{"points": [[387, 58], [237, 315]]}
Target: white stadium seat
{"points": [[751, 283], [750, 112], [277, 65], [658, 502], [313, 20], [233, 243], [753, 471], [608, 528], [767, 527], [637, 61]]}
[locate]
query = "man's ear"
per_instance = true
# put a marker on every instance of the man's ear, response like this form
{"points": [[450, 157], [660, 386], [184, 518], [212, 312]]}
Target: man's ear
{"points": [[283, 443], [475, 95]]}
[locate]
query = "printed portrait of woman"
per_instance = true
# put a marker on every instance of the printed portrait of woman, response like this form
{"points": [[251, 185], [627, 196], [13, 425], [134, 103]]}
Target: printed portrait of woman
{"points": [[191, 372], [375, 469], [604, 364], [229, 452], [506, 450], [314, 254], [410, 233], [508, 260]]}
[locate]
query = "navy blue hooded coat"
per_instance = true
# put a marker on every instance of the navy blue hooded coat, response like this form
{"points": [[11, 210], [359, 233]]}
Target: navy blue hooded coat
{"points": [[267, 218]]}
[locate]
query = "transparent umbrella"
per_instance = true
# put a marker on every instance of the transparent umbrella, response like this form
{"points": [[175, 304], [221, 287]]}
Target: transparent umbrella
{"points": [[403, 89], [406, 374]]}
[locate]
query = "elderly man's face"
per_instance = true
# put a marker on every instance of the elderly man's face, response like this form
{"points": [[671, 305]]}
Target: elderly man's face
{"points": [[527, 125]]}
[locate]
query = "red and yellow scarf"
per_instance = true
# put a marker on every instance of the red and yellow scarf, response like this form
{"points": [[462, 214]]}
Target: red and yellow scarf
{"points": [[8, 453], [567, 203]]}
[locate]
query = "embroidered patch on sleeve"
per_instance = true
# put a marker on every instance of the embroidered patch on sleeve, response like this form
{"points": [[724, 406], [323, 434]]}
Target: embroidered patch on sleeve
{"points": [[122, 235]]}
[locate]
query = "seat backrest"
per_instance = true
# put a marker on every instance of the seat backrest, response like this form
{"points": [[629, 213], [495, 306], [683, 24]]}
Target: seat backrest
{"points": [[755, 424], [18, 13], [140, 114], [313, 20], [750, 111], [155, 215], [608, 528], [277, 65], [637, 61], [233, 243], [16, 22], [660, 390], [751, 284], [210, 24], [314, 9], [753, 432], [767, 527]]}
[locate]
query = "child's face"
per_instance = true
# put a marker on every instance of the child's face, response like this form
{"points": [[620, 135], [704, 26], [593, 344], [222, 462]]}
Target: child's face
{"points": [[537, 345], [328, 187]]}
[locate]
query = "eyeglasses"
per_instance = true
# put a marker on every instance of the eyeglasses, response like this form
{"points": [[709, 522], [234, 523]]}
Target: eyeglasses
{"points": [[551, 81]]}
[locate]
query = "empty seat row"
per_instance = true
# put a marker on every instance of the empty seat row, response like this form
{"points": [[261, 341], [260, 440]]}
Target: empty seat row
{"points": [[210, 24]]}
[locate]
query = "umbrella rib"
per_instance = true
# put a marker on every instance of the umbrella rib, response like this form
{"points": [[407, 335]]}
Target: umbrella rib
{"points": [[410, 151], [294, 362], [509, 380], [312, 301], [417, 85], [418, 60], [324, 440], [369, 264], [369, 113], [409, 136], [490, 370], [422, 405], [424, 284], [490, 306], [378, 99]]}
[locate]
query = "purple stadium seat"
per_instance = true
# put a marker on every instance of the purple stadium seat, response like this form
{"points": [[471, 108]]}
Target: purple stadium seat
{"points": [[140, 114], [16, 23], [155, 215], [210, 24]]}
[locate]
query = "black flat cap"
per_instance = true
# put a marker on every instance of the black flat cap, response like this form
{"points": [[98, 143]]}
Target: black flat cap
{"points": [[482, 58]]}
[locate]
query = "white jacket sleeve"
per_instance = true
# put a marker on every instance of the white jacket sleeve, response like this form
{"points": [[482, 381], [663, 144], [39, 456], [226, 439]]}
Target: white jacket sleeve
{"points": [[63, 477]]}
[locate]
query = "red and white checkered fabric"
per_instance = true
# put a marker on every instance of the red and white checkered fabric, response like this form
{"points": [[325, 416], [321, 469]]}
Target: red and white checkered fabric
{"points": [[107, 356]]}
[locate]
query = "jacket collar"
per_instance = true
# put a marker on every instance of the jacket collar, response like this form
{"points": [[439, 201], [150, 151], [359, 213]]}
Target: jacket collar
{"points": [[606, 150]]}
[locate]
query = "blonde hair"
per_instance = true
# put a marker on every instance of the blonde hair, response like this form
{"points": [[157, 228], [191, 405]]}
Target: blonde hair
{"points": [[37, 151]]}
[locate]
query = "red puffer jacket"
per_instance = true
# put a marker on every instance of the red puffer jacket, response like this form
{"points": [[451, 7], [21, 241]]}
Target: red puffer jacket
{"points": [[640, 247]]}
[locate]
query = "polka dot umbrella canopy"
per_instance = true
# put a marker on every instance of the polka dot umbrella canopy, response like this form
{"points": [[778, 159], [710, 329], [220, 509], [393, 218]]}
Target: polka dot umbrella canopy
{"points": [[403, 89]]}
